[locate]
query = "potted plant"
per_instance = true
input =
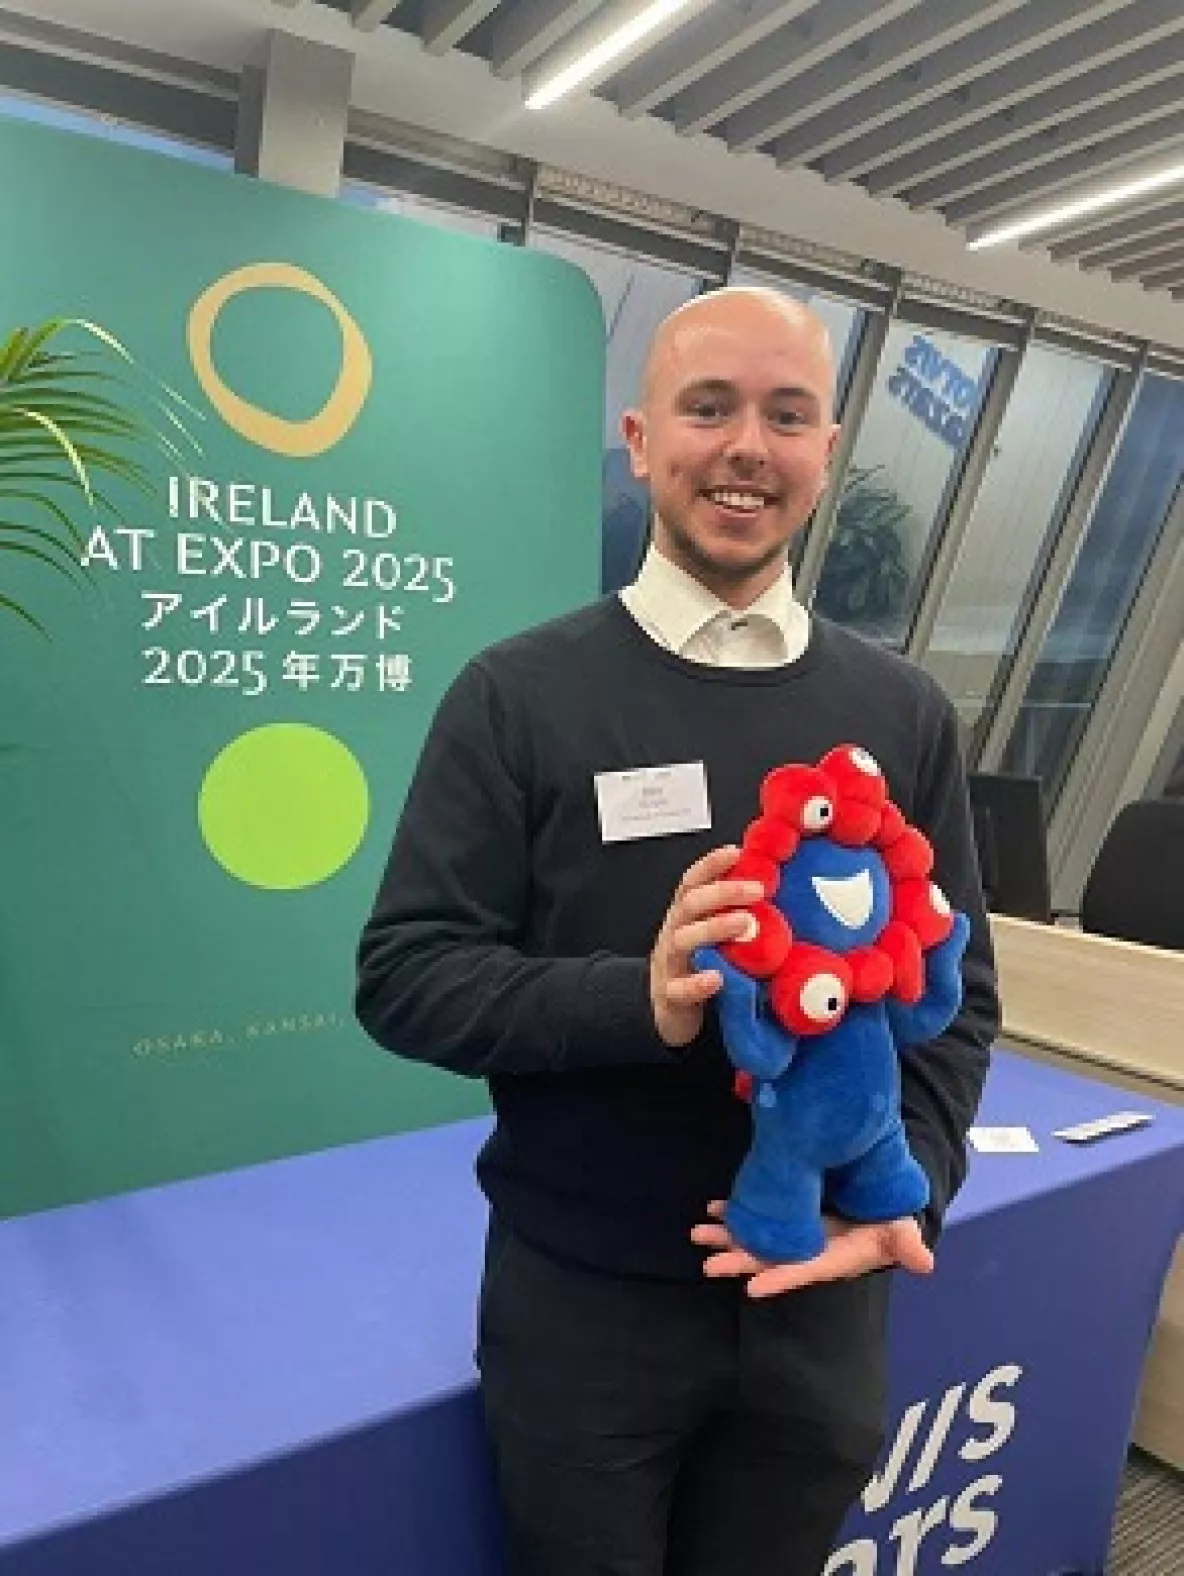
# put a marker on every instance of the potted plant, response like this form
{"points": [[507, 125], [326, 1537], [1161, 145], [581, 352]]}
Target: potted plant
{"points": [[865, 575], [75, 409]]}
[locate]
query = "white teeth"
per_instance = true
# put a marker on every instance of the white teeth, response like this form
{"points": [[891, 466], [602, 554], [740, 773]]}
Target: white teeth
{"points": [[738, 500]]}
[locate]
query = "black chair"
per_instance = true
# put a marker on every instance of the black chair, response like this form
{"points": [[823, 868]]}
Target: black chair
{"points": [[1135, 891], [1007, 814]]}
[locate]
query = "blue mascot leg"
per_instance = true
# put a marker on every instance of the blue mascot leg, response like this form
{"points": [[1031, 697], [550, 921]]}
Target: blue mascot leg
{"points": [[886, 1183], [775, 1210]]}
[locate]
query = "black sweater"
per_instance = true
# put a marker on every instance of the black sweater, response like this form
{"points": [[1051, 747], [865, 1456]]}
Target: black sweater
{"points": [[509, 942]]}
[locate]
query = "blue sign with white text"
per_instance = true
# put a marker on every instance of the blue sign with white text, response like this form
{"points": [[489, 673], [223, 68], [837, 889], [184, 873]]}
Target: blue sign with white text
{"points": [[936, 390]]}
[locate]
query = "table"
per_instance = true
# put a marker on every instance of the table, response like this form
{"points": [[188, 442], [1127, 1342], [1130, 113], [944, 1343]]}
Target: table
{"points": [[271, 1370]]}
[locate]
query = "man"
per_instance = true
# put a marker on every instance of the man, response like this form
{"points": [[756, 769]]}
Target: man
{"points": [[648, 1418]]}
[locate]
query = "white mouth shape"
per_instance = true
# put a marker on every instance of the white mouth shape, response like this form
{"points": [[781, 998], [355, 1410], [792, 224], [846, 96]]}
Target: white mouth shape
{"points": [[737, 500], [848, 899]]}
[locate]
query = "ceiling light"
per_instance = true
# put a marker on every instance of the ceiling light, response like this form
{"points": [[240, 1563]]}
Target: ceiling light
{"points": [[1079, 209], [595, 58]]}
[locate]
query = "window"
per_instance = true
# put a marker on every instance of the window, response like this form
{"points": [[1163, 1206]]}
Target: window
{"points": [[418, 208], [1026, 488], [104, 126], [635, 296], [1144, 481], [907, 460]]}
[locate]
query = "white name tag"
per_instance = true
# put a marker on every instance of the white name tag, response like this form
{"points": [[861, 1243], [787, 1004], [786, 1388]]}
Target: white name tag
{"points": [[652, 801]]}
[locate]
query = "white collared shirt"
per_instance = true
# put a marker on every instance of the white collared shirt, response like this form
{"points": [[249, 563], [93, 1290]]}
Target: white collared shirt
{"points": [[684, 617]]}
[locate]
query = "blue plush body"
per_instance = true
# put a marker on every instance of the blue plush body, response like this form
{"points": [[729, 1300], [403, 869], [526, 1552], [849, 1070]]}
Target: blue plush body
{"points": [[826, 1107]]}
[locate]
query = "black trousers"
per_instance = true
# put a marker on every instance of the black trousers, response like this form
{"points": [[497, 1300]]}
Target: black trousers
{"points": [[650, 1428]]}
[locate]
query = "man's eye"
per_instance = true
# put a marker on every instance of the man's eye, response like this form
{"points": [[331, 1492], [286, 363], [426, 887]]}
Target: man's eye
{"points": [[706, 409], [788, 418]]}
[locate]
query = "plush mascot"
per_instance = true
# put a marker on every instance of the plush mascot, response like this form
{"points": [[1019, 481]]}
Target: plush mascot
{"points": [[854, 956]]}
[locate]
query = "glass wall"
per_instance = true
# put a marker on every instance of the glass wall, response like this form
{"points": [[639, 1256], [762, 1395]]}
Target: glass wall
{"points": [[362, 196], [1144, 482], [906, 462], [1030, 477], [635, 297], [113, 130]]}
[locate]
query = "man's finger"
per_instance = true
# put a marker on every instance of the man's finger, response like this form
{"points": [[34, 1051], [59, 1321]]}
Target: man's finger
{"points": [[844, 1258], [688, 990], [712, 1236], [733, 1261], [717, 896], [731, 926], [710, 868], [907, 1247]]}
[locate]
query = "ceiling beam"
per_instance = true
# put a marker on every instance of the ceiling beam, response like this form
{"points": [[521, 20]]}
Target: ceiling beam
{"points": [[1099, 229], [446, 22], [366, 15], [1142, 245], [1139, 153], [719, 35], [967, 69], [905, 58], [1089, 131], [527, 30], [602, 25], [943, 135], [788, 55], [1169, 273]]}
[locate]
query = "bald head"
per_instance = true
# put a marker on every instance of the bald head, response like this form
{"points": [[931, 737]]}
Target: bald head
{"points": [[733, 435], [749, 310]]}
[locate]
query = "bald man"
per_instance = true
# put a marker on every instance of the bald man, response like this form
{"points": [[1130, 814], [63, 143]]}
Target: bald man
{"points": [[659, 1403]]}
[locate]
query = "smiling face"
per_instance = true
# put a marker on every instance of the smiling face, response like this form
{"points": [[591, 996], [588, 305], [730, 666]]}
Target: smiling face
{"points": [[734, 435]]}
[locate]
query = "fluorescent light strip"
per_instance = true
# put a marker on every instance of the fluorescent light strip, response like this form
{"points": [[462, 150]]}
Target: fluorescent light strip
{"points": [[628, 34], [1079, 209]]}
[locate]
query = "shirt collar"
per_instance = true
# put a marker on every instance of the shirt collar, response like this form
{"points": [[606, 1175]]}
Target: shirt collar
{"points": [[677, 607]]}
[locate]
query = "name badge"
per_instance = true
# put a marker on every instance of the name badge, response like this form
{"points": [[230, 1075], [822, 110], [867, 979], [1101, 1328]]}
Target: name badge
{"points": [[652, 801]]}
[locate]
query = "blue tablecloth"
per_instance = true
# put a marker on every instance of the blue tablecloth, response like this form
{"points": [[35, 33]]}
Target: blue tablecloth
{"points": [[271, 1370]]}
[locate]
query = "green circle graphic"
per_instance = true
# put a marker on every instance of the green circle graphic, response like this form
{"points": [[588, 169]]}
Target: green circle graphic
{"points": [[283, 806]]}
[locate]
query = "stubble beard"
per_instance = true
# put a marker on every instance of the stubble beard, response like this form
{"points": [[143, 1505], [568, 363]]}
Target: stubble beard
{"points": [[704, 565]]}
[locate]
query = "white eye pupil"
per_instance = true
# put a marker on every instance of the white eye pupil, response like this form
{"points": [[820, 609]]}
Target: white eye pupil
{"points": [[937, 897], [865, 762], [817, 813], [823, 997]]}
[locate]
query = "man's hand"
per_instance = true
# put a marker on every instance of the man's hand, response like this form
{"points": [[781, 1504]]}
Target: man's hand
{"points": [[851, 1250], [705, 911]]}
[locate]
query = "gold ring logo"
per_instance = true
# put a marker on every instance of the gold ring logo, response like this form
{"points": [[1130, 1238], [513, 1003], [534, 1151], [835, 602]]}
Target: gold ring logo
{"points": [[297, 439]]}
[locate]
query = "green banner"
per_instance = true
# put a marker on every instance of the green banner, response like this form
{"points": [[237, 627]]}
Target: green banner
{"points": [[369, 448]]}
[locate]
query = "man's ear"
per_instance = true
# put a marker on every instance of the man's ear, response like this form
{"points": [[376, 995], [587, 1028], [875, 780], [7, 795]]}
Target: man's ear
{"points": [[633, 432]]}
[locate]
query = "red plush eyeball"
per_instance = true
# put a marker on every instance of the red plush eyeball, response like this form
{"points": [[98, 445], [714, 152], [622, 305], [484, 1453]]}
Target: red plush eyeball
{"points": [[767, 950], [925, 909], [801, 795], [810, 992], [776, 840], [755, 867], [871, 973], [908, 969], [856, 774], [910, 857]]}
